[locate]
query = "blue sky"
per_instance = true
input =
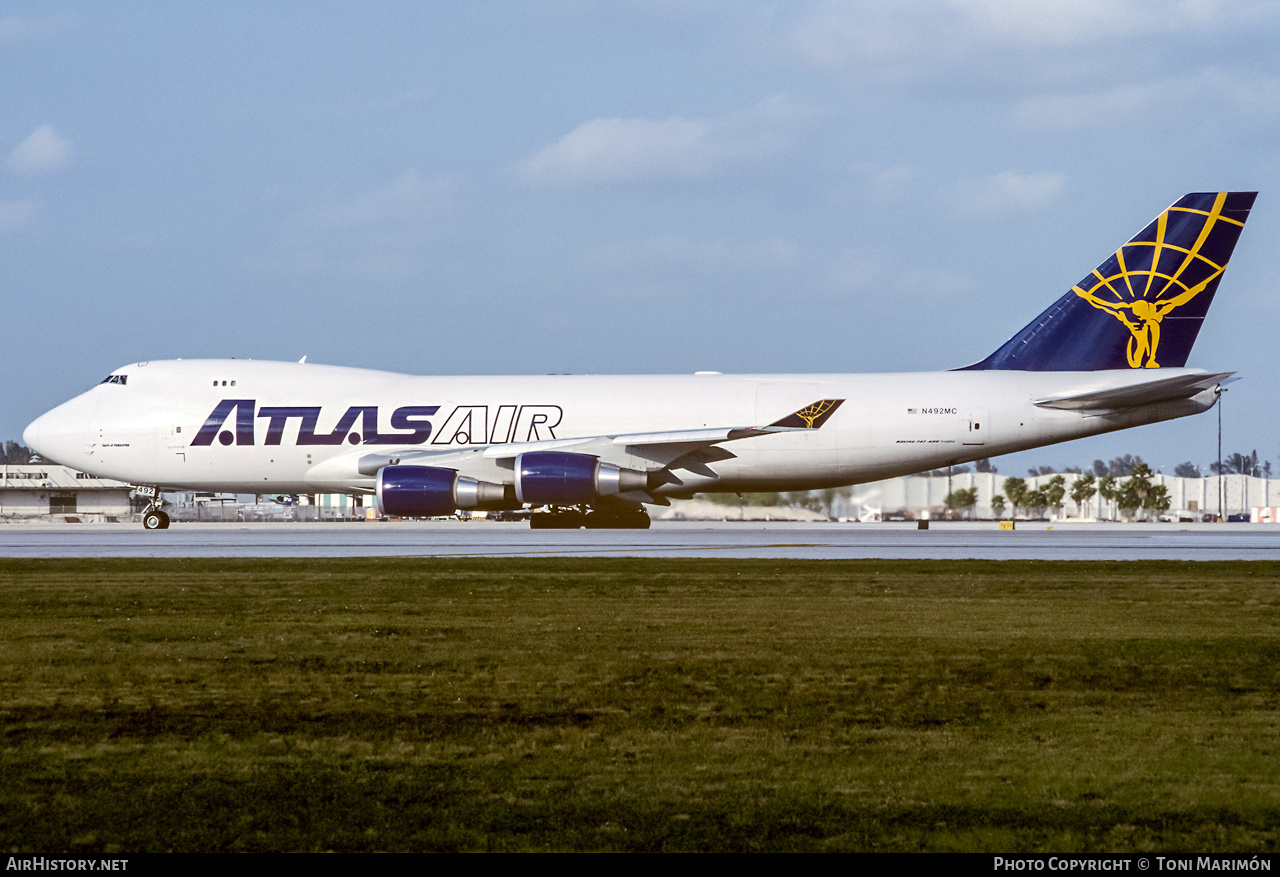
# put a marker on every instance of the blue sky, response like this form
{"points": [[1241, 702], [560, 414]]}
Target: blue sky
{"points": [[620, 187]]}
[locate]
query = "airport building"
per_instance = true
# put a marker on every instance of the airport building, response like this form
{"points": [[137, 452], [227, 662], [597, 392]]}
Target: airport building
{"points": [[273, 508], [48, 492], [52, 493], [40, 492], [916, 496]]}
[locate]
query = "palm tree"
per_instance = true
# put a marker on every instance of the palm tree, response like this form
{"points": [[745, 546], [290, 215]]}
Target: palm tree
{"points": [[1054, 490], [997, 505], [1107, 490], [1082, 490], [1133, 493], [1016, 490]]}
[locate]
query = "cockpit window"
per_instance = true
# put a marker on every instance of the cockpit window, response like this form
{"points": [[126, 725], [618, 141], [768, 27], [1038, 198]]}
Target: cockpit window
{"points": [[116, 379]]}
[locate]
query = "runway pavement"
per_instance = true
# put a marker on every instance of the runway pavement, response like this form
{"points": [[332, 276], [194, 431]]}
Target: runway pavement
{"points": [[666, 539]]}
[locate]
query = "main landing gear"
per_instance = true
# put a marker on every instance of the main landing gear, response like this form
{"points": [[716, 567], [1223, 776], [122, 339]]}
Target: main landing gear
{"points": [[572, 519]]}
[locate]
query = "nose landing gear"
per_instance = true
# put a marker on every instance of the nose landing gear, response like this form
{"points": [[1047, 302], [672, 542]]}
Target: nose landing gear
{"points": [[153, 518]]}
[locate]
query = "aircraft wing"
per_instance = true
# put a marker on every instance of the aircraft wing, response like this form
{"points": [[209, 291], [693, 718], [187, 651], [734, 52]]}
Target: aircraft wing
{"points": [[682, 449], [1147, 392]]}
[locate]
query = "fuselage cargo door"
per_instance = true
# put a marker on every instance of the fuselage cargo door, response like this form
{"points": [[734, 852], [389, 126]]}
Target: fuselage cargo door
{"points": [[977, 426]]}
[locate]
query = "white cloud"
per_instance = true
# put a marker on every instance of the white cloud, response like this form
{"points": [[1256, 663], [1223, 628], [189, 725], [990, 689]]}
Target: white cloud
{"points": [[625, 150], [44, 152], [406, 197], [15, 29], [659, 15], [385, 233], [864, 270], [1074, 22], [1015, 42], [1208, 94], [688, 255], [857, 269], [886, 183], [934, 282], [16, 214], [1007, 193], [875, 36], [1088, 22], [1127, 104]]}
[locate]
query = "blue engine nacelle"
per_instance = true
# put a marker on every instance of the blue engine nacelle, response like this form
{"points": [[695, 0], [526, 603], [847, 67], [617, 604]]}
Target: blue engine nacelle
{"points": [[423, 491], [561, 478]]}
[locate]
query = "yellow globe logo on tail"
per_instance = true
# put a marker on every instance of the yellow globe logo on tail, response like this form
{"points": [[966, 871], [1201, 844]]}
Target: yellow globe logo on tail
{"points": [[1149, 283]]}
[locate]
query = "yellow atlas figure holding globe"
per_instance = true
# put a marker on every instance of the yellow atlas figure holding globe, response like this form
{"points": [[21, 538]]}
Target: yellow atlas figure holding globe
{"points": [[1143, 321], [1142, 297]]}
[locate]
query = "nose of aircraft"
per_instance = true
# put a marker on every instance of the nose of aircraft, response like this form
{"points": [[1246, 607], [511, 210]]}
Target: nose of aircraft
{"points": [[59, 435], [48, 437], [31, 435]]}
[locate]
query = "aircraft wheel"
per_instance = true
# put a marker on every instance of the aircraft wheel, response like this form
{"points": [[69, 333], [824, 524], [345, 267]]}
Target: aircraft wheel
{"points": [[155, 520], [558, 521], [626, 521]]}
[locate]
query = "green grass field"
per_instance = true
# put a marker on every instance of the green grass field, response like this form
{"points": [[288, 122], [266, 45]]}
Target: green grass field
{"points": [[639, 705]]}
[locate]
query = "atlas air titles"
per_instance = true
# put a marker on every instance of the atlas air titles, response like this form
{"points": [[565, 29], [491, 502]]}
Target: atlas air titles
{"points": [[236, 421]]}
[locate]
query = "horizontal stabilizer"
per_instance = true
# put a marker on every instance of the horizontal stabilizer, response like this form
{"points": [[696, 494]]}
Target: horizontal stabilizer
{"points": [[1168, 389]]}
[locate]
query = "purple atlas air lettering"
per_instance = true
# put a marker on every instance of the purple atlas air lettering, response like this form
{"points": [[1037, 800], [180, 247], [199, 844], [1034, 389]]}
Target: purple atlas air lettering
{"points": [[212, 427]]}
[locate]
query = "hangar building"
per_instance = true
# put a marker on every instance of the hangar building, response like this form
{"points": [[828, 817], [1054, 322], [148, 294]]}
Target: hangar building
{"points": [[40, 491]]}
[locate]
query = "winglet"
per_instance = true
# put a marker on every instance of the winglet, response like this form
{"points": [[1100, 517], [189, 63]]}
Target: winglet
{"points": [[810, 416]]}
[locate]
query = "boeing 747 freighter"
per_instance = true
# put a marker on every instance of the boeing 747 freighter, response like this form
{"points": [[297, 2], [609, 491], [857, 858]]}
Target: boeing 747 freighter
{"points": [[595, 450]]}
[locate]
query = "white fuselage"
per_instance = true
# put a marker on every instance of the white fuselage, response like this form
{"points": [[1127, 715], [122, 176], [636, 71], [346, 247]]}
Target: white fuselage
{"points": [[282, 435]]}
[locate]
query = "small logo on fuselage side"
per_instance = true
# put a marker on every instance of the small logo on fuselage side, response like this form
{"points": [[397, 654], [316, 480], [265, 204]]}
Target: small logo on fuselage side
{"points": [[811, 416]]}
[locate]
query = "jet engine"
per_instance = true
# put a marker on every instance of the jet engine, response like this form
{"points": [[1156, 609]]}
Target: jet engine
{"points": [[562, 478], [422, 491]]}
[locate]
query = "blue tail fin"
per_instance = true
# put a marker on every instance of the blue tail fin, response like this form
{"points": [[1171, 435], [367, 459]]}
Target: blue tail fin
{"points": [[1142, 307]]}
